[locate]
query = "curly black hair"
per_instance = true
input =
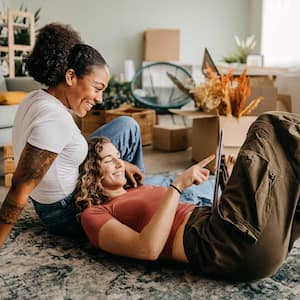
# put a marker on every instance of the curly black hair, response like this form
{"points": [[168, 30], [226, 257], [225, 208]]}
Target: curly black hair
{"points": [[59, 47], [83, 58]]}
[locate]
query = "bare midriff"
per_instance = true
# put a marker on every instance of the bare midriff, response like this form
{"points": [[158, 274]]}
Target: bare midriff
{"points": [[177, 247]]}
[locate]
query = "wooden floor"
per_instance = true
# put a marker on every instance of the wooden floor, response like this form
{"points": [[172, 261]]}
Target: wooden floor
{"points": [[159, 161]]}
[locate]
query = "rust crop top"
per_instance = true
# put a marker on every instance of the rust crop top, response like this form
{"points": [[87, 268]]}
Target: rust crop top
{"points": [[134, 209]]}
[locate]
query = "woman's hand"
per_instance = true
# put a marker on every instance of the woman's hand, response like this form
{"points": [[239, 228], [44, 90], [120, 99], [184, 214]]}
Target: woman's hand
{"points": [[194, 175], [133, 174]]}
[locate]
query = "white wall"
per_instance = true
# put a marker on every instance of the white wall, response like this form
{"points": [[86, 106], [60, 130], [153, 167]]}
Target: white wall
{"points": [[115, 27], [255, 21]]}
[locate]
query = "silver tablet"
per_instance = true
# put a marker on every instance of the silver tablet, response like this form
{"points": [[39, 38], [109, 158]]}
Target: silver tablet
{"points": [[218, 167]]}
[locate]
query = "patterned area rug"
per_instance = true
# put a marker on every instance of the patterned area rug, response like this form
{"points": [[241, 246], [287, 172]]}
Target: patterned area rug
{"points": [[37, 265]]}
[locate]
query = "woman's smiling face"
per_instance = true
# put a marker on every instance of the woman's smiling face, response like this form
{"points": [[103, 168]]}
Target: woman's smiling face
{"points": [[85, 92], [112, 167]]}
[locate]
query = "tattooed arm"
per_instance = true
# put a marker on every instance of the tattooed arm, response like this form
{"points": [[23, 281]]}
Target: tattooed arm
{"points": [[32, 166]]}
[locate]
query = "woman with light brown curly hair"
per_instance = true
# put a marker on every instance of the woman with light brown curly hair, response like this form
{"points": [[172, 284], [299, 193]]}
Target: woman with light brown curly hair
{"points": [[247, 236], [48, 146]]}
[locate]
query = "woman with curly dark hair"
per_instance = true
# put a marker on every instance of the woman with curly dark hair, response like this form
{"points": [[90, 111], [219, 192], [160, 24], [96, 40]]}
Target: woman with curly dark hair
{"points": [[48, 146], [245, 236]]}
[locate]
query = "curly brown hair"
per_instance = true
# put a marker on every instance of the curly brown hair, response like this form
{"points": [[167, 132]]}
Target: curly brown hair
{"points": [[58, 48], [89, 190]]}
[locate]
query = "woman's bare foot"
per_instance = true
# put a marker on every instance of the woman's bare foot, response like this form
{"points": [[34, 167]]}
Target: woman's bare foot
{"points": [[226, 169]]}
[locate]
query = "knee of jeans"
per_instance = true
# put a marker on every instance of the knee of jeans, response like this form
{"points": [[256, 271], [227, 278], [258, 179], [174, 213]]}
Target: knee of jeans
{"points": [[129, 122]]}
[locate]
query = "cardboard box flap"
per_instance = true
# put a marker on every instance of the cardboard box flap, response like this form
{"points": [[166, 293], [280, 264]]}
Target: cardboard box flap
{"points": [[192, 113], [171, 127]]}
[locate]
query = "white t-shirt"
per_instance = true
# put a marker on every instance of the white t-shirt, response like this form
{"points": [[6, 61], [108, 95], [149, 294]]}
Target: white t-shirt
{"points": [[44, 122]]}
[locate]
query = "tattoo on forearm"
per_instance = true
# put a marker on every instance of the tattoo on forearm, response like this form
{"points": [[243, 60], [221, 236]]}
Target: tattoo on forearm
{"points": [[32, 166], [35, 162], [10, 212]]}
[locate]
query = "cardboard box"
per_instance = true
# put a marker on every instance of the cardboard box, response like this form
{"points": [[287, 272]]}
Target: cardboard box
{"points": [[205, 135], [261, 81], [288, 83], [269, 93], [162, 45], [171, 137], [144, 117], [284, 103]]}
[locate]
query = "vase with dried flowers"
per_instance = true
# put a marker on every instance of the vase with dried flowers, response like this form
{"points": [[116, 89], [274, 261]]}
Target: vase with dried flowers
{"points": [[223, 94]]}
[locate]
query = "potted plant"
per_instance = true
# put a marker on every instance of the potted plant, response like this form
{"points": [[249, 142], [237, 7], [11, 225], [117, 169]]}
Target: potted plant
{"points": [[115, 94], [244, 48]]}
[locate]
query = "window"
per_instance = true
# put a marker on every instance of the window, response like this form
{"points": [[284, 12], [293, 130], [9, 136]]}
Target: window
{"points": [[280, 26]]}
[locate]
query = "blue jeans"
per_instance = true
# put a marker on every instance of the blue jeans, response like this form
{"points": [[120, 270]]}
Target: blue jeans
{"points": [[60, 217], [124, 133]]}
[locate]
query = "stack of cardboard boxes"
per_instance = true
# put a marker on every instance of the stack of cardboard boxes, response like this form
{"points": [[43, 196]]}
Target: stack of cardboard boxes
{"points": [[205, 128], [164, 45]]}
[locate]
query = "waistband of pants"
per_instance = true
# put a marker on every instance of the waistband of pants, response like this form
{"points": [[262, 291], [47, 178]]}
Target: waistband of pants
{"points": [[58, 204]]}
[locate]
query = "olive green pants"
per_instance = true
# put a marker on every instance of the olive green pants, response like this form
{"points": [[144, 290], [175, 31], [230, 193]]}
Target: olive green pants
{"points": [[249, 234]]}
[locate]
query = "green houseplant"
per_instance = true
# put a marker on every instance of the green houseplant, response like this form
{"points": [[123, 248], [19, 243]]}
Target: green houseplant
{"points": [[244, 48], [115, 94]]}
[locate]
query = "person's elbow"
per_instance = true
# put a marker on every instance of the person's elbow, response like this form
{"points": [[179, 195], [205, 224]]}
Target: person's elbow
{"points": [[152, 252], [153, 255]]}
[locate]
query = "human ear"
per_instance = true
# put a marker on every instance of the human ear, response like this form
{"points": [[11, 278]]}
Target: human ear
{"points": [[70, 76]]}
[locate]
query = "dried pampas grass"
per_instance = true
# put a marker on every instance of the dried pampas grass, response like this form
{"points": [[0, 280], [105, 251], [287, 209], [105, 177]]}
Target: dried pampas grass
{"points": [[225, 94]]}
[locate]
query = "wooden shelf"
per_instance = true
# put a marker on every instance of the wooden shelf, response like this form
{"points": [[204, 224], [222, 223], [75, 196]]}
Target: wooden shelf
{"points": [[3, 48], [20, 25], [22, 47], [9, 22]]}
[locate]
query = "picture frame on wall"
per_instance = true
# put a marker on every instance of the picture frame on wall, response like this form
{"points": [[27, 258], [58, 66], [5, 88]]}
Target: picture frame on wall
{"points": [[255, 60]]}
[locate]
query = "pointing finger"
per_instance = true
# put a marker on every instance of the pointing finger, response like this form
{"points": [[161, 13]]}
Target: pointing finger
{"points": [[206, 160]]}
